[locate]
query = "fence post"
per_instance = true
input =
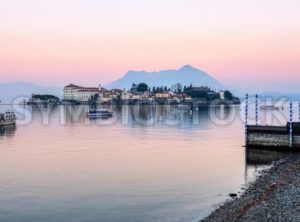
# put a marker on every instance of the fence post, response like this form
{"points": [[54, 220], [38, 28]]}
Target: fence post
{"points": [[291, 124], [246, 120], [256, 109]]}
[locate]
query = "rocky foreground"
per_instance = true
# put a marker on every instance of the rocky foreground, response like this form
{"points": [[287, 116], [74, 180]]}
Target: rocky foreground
{"points": [[274, 196]]}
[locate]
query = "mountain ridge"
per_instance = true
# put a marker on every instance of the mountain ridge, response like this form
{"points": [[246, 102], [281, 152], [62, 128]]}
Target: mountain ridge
{"points": [[186, 75], [10, 91]]}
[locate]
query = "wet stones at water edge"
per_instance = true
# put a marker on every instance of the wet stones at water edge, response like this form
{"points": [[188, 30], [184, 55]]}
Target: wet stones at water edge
{"points": [[233, 195], [273, 196]]}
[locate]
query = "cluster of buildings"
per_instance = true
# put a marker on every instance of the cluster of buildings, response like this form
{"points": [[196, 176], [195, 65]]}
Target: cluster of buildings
{"points": [[202, 95], [75, 93]]}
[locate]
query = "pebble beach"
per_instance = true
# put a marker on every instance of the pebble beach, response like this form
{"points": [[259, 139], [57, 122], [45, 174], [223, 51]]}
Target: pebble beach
{"points": [[273, 196]]}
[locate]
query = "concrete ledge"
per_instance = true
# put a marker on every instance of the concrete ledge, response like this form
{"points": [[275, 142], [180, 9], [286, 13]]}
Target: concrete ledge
{"points": [[273, 137]]}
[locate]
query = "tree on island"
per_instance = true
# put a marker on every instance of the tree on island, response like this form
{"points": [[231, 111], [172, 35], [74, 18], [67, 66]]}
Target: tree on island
{"points": [[95, 97], [195, 93], [142, 87], [228, 95], [153, 89], [45, 97]]}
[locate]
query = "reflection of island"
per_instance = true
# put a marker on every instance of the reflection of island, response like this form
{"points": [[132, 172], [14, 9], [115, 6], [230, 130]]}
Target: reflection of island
{"points": [[78, 114], [262, 157], [73, 114], [149, 115], [7, 130], [170, 116]]}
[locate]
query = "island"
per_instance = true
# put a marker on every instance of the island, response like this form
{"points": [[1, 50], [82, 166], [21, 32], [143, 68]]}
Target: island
{"points": [[37, 99], [141, 93]]}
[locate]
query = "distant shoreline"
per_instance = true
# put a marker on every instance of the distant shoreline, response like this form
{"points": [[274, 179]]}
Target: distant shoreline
{"points": [[123, 104]]}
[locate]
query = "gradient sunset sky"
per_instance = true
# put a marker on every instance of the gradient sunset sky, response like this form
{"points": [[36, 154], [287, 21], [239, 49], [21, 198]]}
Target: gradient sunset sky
{"points": [[243, 44]]}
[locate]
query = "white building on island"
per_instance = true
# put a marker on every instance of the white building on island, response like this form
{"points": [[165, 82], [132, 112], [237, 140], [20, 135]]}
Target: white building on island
{"points": [[82, 94]]}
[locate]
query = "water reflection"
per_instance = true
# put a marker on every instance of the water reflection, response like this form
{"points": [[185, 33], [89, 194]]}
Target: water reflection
{"points": [[256, 160], [149, 163], [256, 157], [73, 114], [158, 115], [8, 130]]}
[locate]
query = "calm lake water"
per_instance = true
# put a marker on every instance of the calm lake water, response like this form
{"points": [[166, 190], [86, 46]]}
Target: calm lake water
{"points": [[152, 163]]}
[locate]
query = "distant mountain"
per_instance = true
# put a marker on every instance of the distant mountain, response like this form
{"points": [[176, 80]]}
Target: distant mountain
{"points": [[276, 96], [10, 91], [186, 75], [273, 96]]}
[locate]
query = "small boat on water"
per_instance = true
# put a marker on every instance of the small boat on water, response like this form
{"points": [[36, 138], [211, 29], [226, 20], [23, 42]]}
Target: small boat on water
{"points": [[7, 118], [99, 113], [183, 107], [269, 107]]}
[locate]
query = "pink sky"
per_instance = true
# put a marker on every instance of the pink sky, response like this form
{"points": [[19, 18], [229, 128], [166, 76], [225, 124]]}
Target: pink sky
{"points": [[240, 43]]}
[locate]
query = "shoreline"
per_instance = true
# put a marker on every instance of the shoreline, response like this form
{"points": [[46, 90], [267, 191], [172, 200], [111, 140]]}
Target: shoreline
{"points": [[273, 196]]}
